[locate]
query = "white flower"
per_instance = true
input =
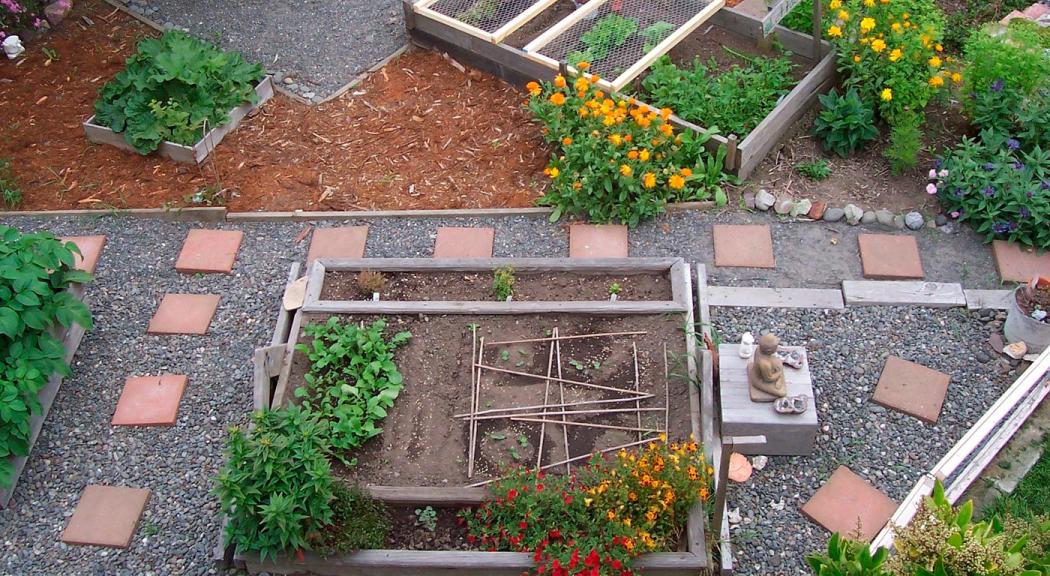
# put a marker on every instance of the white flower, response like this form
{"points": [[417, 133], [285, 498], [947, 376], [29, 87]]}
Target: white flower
{"points": [[943, 173]]}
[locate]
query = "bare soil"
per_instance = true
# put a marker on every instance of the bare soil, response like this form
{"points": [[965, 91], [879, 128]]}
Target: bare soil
{"points": [[460, 286], [408, 534], [423, 445], [418, 134]]}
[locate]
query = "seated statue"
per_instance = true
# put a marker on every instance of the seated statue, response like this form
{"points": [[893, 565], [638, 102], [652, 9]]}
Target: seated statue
{"points": [[765, 373]]}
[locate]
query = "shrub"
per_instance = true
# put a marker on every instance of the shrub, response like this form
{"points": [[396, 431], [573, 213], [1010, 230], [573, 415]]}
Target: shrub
{"points": [[276, 488], [732, 102], [503, 283], [35, 271], [359, 522], [352, 381], [845, 123], [1013, 57], [599, 519], [905, 142], [613, 159], [175, 88], [961, 22], [18, 15], [10, 192]]}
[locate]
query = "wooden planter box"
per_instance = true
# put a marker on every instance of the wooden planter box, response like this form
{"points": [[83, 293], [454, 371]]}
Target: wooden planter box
{"points": [[70, 338], [188, 154], [515, 66], [274, 364]]}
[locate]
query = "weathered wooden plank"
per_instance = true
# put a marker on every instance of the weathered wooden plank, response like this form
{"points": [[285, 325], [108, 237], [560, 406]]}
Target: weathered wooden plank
{"points": [[521, 19], [440, 497], [315, 283], [596, 308], [894, 293], [268, 363], [736, 296], [281, 390], [995, 299], [750, 27], [537, 43], [284, 317], [580, 265]]}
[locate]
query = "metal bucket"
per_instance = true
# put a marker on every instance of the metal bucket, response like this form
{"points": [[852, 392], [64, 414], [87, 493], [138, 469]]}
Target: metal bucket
{"points": [[1020, 326]]}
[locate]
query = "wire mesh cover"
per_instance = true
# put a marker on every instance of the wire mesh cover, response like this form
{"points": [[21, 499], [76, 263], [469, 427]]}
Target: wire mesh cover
{"points": [[488, 15], [620, 33]]}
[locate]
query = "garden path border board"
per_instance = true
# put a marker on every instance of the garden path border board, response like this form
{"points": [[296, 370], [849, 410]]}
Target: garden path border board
{"points": [[71, 338], [691, 562], [177, 152], [743, 157]]}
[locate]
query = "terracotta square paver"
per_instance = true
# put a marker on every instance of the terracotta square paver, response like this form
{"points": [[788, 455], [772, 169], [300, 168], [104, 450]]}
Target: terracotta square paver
{"points": [[90, 251], [343, 242], [464, 242], [597, 241], [106, 516], [743, 245], [150, 400], [184, 314], [889, 257], [846, 504], [911, 388], [1017, 264], [208, 251]]}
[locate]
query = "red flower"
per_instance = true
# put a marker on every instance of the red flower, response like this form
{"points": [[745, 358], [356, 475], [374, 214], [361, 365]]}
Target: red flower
{"points": [[537, 556], [575, 559], [568, 499], [539, 487], [557, 570], [511, 495], [470, 538], [592, 559], [554, 534], [523, 524], [617, 564]]}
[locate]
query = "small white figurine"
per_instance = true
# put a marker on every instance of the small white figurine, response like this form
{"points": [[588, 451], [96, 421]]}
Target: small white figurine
{"points": [[13, 47], [747, 345]]}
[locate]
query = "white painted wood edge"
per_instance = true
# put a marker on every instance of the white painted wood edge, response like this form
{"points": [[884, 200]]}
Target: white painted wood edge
{"points": [[737, 296]]}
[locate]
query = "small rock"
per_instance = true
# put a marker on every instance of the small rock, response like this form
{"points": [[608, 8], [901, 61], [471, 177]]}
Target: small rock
{"points": [[759, 462], [55, 12], [816, 212], [982, 357], [308, 95], [764, 200], [783, 206], [801, 208], [1016, 350], [749, 200], [834, 214], [1039, 315], [293, 86], [885, 217], [995, 340], [931, 224], [734, 516], [948, 228], [914, 220], [288, 81], [739, 468], [868, 217], [898, 222], [940, 220], [278, 77], [853, 214]]}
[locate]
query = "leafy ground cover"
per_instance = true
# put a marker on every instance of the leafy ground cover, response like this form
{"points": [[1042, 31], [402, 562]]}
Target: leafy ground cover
{"points": [[1031, 497]]}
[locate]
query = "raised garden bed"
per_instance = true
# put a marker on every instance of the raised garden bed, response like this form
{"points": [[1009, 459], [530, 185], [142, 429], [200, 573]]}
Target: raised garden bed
{"points": [[179, 153], [70, 338], [513, 61], [421, 459]]}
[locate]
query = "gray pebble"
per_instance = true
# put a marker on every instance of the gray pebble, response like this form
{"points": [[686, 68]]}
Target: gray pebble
{"points": [[884, 217], [914, 220], [834, 214], [868, 217]]}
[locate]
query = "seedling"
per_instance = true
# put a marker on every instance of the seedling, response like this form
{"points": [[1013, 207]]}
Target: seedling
{"points": [[514, 453], [577, 365], [427, 518], [371, 281], [522, 351], [473, 327], [498, 436], [50, 53], [523, 440], [815, 170], [12, 193], [519, 363], [596, 364], [504, 355], [615, 288], [503, 283]]}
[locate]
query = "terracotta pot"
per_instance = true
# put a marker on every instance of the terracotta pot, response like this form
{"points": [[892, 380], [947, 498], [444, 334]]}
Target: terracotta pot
{"points": [[1020, 326]]}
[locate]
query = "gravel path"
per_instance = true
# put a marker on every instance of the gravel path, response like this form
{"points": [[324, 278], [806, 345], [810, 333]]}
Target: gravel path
{"points": [[889, 449], [79, 447], [319, 44]]}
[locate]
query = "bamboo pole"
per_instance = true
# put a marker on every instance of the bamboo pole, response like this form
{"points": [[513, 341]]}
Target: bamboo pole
{"points": [[568, 413], [561, 391], [541, 406], [546, 394], [552, 337], [477, 399], [637, 388], [559, 379], [573, 459], [587, 424], [473, 394], [667, 394]]}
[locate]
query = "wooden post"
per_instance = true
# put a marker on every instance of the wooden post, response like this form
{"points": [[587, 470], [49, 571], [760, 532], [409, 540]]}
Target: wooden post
{"points": [[732, 153], [818, 29]]}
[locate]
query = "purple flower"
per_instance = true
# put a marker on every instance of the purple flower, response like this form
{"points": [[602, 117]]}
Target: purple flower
{"points": [[1012, 144], [989, 191], [1001, 227], [937, 164], [988, 166], [1025, 213], [958, 193], [998, 85], [1018, 165], [1045, 185]]}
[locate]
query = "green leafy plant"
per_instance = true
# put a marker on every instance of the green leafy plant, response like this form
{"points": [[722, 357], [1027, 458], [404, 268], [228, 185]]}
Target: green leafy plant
{"points": [[359, 522], [655, 33], [9, 189], [21, 15], [35, 272], [276, 487], [352, 381], [1014, 57], [427, 518], [845, 123], [609, 32], [733, 102], [848, 558], [175, 88], [615, 288], [478, 12], [814, 169], [964, 19], [50, 53], [503, 283], [905, 143]]}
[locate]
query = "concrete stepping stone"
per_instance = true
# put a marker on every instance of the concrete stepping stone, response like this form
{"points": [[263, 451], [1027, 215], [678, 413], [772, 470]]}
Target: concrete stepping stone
{"points": [[454, 242], [743, 246], [209, 251], [890, 256], [184, 314], [597, 241], [342, 242], [912, 389], [150, 400], [90, 251], [847, 504], [1017, 264], [106, 516]]}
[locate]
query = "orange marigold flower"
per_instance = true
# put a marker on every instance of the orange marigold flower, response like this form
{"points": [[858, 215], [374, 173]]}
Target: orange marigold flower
{"points": [[583, 65], [554, 173], [676, 182], [557, 99], [576, 185], [633, 154], [649, 180], [559, 81], [643, 155], [665, 113], [686, 172], [625, 170], [616, 139], [566, 141], [534, 88], [667, 129], [582, 85]]}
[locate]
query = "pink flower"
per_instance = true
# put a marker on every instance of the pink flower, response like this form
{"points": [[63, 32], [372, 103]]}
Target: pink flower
{"points": [[933, 174], [931, 188], [955, 214]]}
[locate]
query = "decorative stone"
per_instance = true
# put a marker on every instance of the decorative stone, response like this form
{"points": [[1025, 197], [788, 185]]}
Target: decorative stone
{"points": [[884, 217], [801, 208], [783, 206], [749, 200], [90, 251], [914, 220], [597, 241], [288, 81], [464, 242], [759, 462], [764, 200], [912, 389], [853, 214], [868, 217], [940, 220], [150, 401], [339, 242], [739, 468], [834, 214], [890, 257], [816, 212], [1017, 264], [209, 251], [846, 503], [745, 246], [1016, 350], [184, 314], [898, 222], [55, 12], [106, 516]]}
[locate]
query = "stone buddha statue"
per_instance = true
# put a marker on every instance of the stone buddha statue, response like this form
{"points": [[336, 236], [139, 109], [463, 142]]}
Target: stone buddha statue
{"points": [[765, 372]]}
